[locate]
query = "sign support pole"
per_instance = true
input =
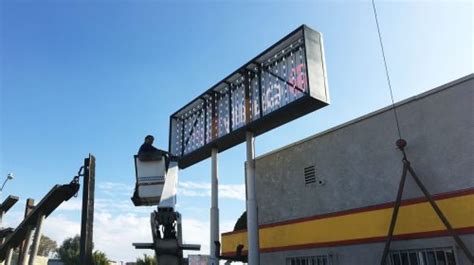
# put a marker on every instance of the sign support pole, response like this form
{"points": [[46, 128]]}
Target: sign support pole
{"points": [[252, 214], [214, 260]]}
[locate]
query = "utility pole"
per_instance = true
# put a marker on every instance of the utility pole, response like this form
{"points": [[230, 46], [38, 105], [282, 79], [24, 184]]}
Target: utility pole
{"points": [[87, 222]]}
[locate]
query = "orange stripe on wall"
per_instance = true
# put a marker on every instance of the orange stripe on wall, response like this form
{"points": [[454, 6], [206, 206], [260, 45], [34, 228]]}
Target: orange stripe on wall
{"points": [[370, 224], [462, 231]]}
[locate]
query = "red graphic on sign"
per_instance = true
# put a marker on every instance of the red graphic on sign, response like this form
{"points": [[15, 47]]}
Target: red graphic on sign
{"points": [[298, 80]]}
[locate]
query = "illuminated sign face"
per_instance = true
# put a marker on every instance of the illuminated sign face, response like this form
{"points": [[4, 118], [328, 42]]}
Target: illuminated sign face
{"points": [[285, 82]]}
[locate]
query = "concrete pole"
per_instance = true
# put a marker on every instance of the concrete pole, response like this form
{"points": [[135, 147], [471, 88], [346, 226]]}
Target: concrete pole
{"points": [[252, 215], [22, 259], [214, 208], [8, 258], [36, 240], [24, 255], [1, 227]]}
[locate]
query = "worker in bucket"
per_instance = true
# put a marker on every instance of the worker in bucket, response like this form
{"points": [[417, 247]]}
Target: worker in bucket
{"points": [[148, 152]]}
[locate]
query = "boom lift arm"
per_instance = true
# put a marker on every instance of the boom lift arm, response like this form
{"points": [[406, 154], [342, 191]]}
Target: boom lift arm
{"points": [[156, 185]]}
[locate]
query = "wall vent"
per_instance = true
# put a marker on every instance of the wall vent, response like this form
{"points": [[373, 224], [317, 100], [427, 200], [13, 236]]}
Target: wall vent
{"points": [[309, 175]]}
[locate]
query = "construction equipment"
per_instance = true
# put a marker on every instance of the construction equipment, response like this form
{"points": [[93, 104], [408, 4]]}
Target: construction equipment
{"points": [[150, 179], [156, 182], [50, 202]]}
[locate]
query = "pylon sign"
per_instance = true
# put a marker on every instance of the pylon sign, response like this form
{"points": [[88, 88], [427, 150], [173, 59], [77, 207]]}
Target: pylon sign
{"points": [[285, 82]]}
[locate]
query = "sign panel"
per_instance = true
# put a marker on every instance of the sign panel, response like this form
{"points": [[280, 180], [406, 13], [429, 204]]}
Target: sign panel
{"points": [[286, 81]]}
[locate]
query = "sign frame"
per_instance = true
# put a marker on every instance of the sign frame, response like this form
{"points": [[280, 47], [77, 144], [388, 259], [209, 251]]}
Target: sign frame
{"points": [[253, 114]]}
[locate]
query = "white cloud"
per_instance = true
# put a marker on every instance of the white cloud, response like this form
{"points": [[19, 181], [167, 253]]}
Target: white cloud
{"points": [[115, 186], [71, 205], [13, 218], [115, 233], [232, 191], [115, 189], [119, 205], [118, 224], [185, 188], [59, 228], [198, 232], [202, 189], [195, 185]]}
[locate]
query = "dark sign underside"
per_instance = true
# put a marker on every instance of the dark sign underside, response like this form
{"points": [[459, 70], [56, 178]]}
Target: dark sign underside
{"points": [[286, 81]]}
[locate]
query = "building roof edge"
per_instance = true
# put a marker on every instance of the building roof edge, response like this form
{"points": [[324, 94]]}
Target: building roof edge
{"points": [[374, 113]]}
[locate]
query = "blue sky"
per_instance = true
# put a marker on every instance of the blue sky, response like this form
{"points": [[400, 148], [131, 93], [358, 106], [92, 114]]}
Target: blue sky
{"points": [[83, 77]]}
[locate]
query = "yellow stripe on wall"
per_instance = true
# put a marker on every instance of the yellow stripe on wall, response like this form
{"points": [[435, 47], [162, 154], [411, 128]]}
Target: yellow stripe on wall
{"points": [[413, 218]]}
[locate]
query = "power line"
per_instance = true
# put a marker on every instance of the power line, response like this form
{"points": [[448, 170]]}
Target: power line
{"points": [[386, 70]]}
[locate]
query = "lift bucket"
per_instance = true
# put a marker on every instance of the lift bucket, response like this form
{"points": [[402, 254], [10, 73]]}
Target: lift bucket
{"points": [[150, 179]]}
